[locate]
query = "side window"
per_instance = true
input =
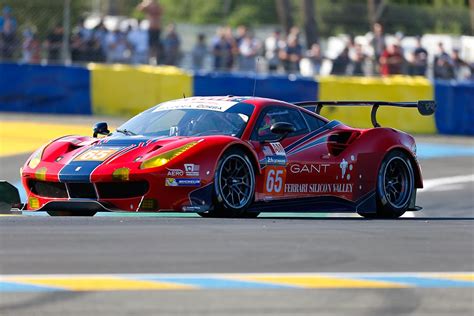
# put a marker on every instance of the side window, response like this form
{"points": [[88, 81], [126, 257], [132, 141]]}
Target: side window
{"points": [[313, 122], [278, 114]]}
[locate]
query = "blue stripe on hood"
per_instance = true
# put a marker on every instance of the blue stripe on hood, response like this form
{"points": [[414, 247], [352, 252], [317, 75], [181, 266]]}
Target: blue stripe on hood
{"points": [[78, 171]]}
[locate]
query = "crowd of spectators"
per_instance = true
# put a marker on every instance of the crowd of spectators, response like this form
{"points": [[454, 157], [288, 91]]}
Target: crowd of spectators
{"points": [[228, 49], [286, 54], [135, 44]]}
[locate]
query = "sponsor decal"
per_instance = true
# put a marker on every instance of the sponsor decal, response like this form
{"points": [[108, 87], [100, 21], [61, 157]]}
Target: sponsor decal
{"points": [[344, 165], [274, 155], [278, 149], [267, 151], [308, 168], [219, 105], [319, 188], [175, 172], [275, 160], [191, 169], [180, 182], [193, 208]]}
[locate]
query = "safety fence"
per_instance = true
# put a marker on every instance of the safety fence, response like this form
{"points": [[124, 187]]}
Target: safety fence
{"points": [[126, 90]]}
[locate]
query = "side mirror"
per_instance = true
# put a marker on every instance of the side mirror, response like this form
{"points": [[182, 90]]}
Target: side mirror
{"points": [[101, 128], [282, 129]]}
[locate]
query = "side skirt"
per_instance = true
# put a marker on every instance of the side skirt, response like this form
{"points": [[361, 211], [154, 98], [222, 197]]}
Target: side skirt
{"points": [[323, 204]]}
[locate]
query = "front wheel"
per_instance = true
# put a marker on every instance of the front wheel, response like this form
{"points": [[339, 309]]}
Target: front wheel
{"points": [[234, 186], [395, 186]]}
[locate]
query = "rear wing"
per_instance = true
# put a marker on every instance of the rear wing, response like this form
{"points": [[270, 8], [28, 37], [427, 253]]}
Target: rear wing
{"points": [[425, 107]]}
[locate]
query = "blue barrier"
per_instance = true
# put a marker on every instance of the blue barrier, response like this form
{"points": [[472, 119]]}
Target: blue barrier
{"points": [[44, 89], [287, 88], [67, 90], [455, 112]]}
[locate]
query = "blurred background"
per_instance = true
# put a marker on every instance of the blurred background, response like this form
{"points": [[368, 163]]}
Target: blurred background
{"points": [[430, 38], [119, 57], [66, 64]]}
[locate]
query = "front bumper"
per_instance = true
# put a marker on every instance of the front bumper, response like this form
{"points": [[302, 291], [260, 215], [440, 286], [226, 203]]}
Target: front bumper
{"points": [[127, 196], [76, 205]]}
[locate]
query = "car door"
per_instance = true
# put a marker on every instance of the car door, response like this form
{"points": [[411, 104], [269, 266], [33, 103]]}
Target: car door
{"points": [[314, 170], [309, 165], [271, 152]]}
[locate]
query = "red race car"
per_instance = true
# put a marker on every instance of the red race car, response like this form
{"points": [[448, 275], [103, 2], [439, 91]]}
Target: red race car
{"points": [[230, 157]]}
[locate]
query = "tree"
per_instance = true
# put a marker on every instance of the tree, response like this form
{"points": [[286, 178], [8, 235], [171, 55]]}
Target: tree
{"points": [[471, 10], [310, 26], [375, 9], [284, 14]]}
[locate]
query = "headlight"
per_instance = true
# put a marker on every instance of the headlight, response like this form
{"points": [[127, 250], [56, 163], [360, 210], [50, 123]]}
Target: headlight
{"points": [[164, 158], [36, 158]]}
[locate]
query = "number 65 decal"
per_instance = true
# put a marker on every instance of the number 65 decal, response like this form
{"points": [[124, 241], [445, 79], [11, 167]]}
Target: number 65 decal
{"points": [[275, 180]]}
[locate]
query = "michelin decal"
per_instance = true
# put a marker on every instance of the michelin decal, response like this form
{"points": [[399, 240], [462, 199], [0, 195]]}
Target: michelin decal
{"points": [[182, 182]]}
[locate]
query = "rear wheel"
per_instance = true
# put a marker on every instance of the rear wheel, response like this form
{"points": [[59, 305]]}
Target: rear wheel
{"points": [[234, 186], [69, 213], [395, 186]]}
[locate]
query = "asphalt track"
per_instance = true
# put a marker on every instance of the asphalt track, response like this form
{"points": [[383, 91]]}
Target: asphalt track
{"points": [[185, 265]]}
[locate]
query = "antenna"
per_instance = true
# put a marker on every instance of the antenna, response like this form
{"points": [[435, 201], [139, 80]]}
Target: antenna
{"points": [[255, 77]]}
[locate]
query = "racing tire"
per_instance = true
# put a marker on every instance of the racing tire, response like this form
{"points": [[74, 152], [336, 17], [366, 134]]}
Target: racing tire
{"points": [[234, 186], [395, 186], [69, 213]]}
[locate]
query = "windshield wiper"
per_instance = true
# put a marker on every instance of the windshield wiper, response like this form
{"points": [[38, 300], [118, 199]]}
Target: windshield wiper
{"points": [[126, 132]]}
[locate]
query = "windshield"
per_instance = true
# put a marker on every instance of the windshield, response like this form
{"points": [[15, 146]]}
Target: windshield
{"points": [[189, 121]]}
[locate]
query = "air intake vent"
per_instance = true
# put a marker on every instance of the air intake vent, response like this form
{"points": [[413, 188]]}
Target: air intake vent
{"points": [[122, 190], [82, 191], [339, 141], [48, 189]]}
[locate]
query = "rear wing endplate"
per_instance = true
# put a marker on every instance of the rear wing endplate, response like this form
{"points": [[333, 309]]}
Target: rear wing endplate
{"points": [[425, 107]]}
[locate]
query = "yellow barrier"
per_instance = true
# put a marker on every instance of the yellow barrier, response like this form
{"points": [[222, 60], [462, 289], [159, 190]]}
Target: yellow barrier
{"points": [[128, 90], [395, 88]]}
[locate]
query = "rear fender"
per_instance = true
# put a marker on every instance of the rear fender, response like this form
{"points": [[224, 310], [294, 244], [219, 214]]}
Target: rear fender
{"points": [[380, 141]]}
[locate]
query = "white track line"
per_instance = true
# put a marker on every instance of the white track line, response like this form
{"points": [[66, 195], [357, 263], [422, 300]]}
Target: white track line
{"points": [[434, 184], [430, 184]]}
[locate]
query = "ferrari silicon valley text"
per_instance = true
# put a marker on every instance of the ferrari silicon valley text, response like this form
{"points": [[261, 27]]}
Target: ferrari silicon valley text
{"points": [[319, 188]]}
